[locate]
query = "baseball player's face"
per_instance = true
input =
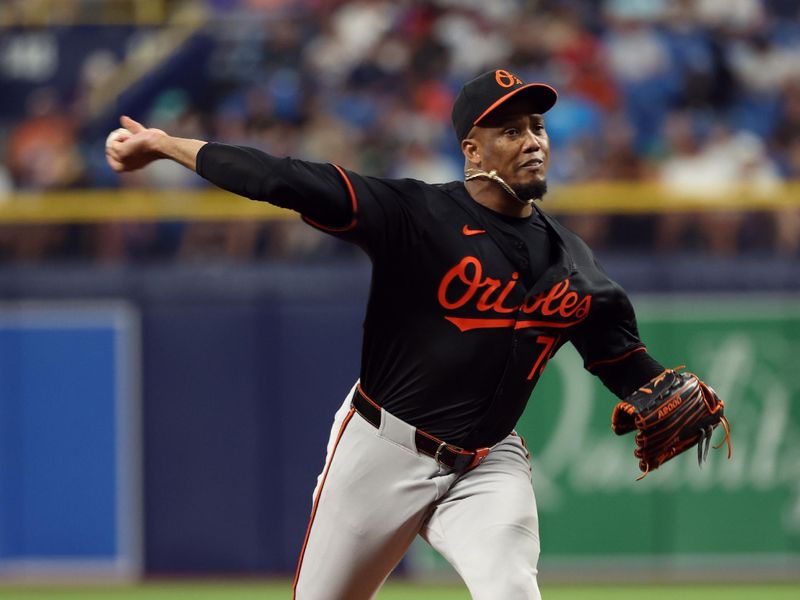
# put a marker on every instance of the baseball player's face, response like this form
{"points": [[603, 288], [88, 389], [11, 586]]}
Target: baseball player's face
{"points": [[515, 143]]}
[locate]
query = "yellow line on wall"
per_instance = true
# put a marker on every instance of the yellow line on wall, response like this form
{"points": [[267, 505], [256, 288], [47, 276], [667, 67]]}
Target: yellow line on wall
{"points": [[87, 206], [134, 205], [639, 198]]}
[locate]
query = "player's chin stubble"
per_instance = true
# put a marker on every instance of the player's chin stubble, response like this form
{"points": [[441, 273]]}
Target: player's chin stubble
{"points": [[535, 190]]}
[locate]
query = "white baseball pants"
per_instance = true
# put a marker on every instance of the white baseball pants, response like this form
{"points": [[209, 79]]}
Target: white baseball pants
{"points": [[376, 493]]}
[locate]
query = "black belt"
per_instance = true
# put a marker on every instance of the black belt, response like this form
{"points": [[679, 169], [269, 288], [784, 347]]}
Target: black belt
{"points": [[446, 454]]}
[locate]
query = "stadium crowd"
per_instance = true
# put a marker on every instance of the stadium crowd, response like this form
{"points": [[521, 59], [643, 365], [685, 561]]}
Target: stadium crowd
{"points": [[700, 95]]}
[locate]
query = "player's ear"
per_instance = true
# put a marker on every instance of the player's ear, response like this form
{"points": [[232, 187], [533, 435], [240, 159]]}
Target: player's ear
{"points": [[471, 149]]}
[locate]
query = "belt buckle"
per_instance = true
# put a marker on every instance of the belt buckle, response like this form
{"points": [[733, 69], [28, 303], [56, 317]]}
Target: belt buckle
{"points": [[476, 459], [438, 454]]}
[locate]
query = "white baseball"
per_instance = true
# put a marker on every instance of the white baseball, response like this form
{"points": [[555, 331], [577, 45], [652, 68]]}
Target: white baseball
{"points": [[116, 134]]}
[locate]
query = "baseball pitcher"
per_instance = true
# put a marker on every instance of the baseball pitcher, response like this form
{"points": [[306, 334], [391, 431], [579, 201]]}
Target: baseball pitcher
{"points": [[474, 289]]}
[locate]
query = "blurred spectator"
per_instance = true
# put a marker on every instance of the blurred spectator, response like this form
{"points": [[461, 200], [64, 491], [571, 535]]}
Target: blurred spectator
{"points": [[717, 171], [735, 14], [702, 69], [473, 43], [42, 155], [583, 58], [418, 161], [762, 66], [42, 149], [352, 32], [96, 73], [787, 130], [640, 61], [612, 157], [787, 148], [763, 69]]}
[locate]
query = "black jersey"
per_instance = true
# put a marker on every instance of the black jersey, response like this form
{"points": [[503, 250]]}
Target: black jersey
{"points": [[458, 327], [466, 306]]}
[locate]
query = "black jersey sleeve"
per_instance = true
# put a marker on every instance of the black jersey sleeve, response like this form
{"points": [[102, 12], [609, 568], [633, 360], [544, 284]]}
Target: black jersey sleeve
{"points": [[378, 214], [388, 214], [626, 375], [611, 334], [315, 190]]}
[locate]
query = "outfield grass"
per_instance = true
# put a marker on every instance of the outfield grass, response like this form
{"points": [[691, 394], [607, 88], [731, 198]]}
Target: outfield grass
{"points": [[400, 591]]}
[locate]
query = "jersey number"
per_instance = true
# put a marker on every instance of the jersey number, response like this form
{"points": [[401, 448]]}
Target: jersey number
{"points": [[547, 352]]}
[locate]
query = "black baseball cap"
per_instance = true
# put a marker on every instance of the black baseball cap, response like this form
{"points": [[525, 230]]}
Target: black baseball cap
{"points": [[486, 92]]}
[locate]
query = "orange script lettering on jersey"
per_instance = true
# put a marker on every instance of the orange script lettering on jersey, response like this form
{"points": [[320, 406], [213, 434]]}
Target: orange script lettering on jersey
{"points": [[465, 285]]}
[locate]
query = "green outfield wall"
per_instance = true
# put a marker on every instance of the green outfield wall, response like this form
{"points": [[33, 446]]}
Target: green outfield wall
{"points": [[742, 513]]}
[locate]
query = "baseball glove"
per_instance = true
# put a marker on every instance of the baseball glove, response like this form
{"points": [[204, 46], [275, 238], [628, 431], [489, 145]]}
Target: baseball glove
{"points": [[672, 412]]}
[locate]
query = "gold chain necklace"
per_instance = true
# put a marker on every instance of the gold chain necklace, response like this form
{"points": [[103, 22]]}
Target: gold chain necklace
{"points": [[478, 174]]}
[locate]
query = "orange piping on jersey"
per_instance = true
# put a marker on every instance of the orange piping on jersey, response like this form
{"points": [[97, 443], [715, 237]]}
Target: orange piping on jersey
{"points": [[316, 500], [558, 325], [617, 359], [465, 323], [353, 202], [507, 96], [468, 323]]}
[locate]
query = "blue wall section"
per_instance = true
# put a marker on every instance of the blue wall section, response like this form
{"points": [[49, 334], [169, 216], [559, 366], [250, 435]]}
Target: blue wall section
{"points": [[58, 471], [204, 431], [240, 384], [242, 371], [238, 402]]}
